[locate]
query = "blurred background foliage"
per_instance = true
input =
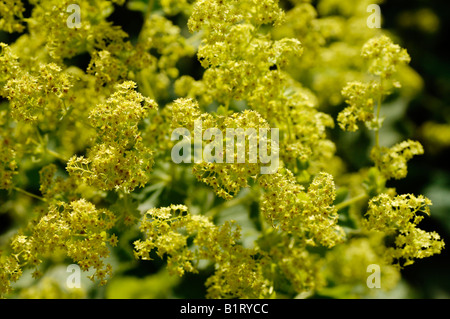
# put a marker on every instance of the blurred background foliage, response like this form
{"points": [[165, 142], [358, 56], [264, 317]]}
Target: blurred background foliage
{"points": [[421, 26]]}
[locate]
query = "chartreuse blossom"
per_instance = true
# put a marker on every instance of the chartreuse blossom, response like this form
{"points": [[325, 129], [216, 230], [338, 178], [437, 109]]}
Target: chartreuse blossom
{"points": [[33, 93], [383, 58], [8, 164], [243, 63], [230, 170], [49, 21], [76, 230], [309, 214], [238, 271], [398, 217], [360, 99], [119, 160], [392, 161], [11, 13], [10, 65], [95, 133]]}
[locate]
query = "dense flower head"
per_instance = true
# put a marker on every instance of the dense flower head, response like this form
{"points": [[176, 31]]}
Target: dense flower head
{"points": [[215, 16], [8, 164], [309, 214], [76, 229], [30, 93], [399, 217], [49, 20], [265, 205], [11, 13], [237, 273], [360, 98], [227, 177], [384, 56], [117, 120], [392, 161], [119, 160], [9, 63]]}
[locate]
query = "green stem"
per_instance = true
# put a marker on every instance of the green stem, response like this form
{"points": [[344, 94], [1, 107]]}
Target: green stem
{"points": [[289, 126], [377, 132], [291, 135], [29, 194], [351, 201], [147, 15], [83, 170], [41, 140], [227, 107], [68, 111], [42, 144], [231, 203], [151, 4], [142, 78], [57, 155]]}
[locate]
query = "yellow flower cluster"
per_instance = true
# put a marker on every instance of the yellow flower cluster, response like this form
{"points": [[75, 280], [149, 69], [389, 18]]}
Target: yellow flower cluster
{"points": [[244, 63], [95, 133], [10, 65], [8, 164], [238, 273], [32, 93], [398, 217], [360, 98], [392, 161], [11, 14], [293, 268], [237, 55], [331, 36], [76, 230], [226, 178], [48, 23], [384, 58], [218, 15], [119, 160], [278, 261], [106, 68], [308, 215], [243, 71]]}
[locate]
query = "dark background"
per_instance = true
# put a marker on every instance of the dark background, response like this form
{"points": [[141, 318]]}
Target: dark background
{"points": [[427, 174]]}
